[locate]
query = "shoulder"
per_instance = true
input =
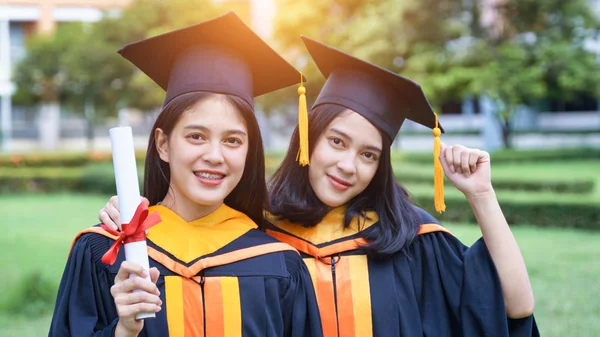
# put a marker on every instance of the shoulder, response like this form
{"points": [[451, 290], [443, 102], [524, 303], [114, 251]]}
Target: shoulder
{"points": [[425, 217], [291, 258], [91, 243]]}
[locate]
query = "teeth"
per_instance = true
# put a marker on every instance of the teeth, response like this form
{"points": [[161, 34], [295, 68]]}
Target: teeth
{"points": [[211, 176]]}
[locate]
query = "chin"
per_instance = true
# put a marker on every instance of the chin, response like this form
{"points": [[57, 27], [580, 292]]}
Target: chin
{"points": [[333, 202], [209, 200]]}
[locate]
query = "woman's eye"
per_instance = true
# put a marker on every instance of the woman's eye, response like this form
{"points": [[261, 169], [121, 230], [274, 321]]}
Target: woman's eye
{"points": [[233, 141], [370, 155], [195, 136], [337, 141]]}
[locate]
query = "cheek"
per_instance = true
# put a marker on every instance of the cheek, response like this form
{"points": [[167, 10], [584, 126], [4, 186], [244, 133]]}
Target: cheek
{"points": [[238, 159], [320, 154], [366, 173]]}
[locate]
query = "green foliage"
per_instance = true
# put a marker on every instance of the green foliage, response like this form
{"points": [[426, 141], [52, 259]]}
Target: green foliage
{"points": [[43, 75], [534, 49], [96, 179], [61, 159], [510, 156], [79, 64], [33, 295], [577, 185], [543, 214]]}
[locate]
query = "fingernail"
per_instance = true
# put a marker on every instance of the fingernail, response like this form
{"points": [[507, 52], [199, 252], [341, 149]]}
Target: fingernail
{"points": [[452, 168], [144, 273]]}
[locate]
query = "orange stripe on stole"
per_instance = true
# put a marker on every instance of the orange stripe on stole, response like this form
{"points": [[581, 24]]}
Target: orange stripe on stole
{"points": [[343, 283], [184, 307], [174, 305], [361, 295], [215, 321], [321, 273], [192, 308]]}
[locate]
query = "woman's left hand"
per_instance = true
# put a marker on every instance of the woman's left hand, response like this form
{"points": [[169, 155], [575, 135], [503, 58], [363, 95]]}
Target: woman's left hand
{"points": [[468, 169]]}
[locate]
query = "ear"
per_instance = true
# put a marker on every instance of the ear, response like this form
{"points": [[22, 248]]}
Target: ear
{"points": [[161, 141]]}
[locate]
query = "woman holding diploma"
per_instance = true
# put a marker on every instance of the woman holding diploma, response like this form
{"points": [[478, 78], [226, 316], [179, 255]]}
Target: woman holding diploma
{"points": [[213, 273], [382, 266]]}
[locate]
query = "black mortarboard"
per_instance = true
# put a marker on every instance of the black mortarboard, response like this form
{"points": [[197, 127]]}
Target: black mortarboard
{"points": [[221, 55], [381, 96]]}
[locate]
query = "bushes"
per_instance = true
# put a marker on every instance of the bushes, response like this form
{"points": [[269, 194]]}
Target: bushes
{"points": [[61, 159], [33, 295], [542, 199], [566, 186], [273, 159], [543, 214], [98, 179], [511, 156]]}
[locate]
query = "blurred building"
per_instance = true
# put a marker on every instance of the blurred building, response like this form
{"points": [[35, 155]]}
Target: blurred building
{"points": [[22, 18], [471, 121]]}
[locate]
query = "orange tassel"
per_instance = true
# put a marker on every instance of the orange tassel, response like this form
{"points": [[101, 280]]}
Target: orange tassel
{"points": [[302, 157], [438, 171]]}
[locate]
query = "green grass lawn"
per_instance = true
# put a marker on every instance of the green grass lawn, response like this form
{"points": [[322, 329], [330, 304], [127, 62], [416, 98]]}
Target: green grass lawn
{"points": [[564, 265]]}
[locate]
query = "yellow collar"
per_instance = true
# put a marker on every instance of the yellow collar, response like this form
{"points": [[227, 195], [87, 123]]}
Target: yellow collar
{"points": [[329, 229], [188, 241]]}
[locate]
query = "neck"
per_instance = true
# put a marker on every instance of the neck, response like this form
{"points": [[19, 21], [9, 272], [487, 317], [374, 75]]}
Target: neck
{"points": [[188, 209]]}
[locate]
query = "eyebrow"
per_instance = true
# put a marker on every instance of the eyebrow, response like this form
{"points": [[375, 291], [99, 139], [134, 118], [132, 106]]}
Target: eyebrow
{"points": [[205, 129], [345, 135]]}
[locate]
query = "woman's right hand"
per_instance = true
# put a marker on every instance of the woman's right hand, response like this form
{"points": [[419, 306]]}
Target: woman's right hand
{"points": [[130, 303], [110, 215]]}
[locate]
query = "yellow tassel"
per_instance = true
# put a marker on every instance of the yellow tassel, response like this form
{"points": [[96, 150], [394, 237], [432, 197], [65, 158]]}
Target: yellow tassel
{"points": [[438, 171], [302, 157]]}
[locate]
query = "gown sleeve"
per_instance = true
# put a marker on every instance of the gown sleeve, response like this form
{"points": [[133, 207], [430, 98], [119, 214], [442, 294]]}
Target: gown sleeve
{"points": [[84, 305], [458, 290], [300, 309]]}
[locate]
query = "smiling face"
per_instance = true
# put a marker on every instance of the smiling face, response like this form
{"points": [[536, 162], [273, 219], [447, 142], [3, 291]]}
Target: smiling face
{"points": [[206, 152], [344, 159]]}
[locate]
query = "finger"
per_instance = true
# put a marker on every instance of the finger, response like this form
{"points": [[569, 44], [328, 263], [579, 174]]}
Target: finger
{"points": [[484, 156], [127, 268], [154, 274], [456, 153], [473, 157], [443, 147], [464, 163], [445, 165], [137, 297], [138, 283], [113, 213], [146, 201], [448, 159], [105, 219], [114, 200], [134, 309]]}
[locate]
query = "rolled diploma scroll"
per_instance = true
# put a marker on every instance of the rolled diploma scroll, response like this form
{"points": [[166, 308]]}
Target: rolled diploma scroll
{"points": [[128, 192]]}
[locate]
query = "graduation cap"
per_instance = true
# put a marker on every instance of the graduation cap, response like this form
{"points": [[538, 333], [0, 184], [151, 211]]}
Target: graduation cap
{"points": [[221, 55], [383, 97]]}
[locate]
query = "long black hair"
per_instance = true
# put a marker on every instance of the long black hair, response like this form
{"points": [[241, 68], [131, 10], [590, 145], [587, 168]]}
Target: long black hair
{"points": [[250, 194], [291, 197]]}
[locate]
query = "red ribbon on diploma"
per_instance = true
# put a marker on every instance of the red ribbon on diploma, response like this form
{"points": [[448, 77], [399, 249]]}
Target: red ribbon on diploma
{"points": [[134, 231]]}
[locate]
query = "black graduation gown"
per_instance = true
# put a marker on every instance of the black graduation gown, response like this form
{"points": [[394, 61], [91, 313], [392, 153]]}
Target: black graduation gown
{"points": [[440, 288], [251, 286]]}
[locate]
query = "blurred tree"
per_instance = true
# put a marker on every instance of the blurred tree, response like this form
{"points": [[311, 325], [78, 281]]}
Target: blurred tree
{"points": [[514, 51], [43, 76], [79, 65], [537, 50]]}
